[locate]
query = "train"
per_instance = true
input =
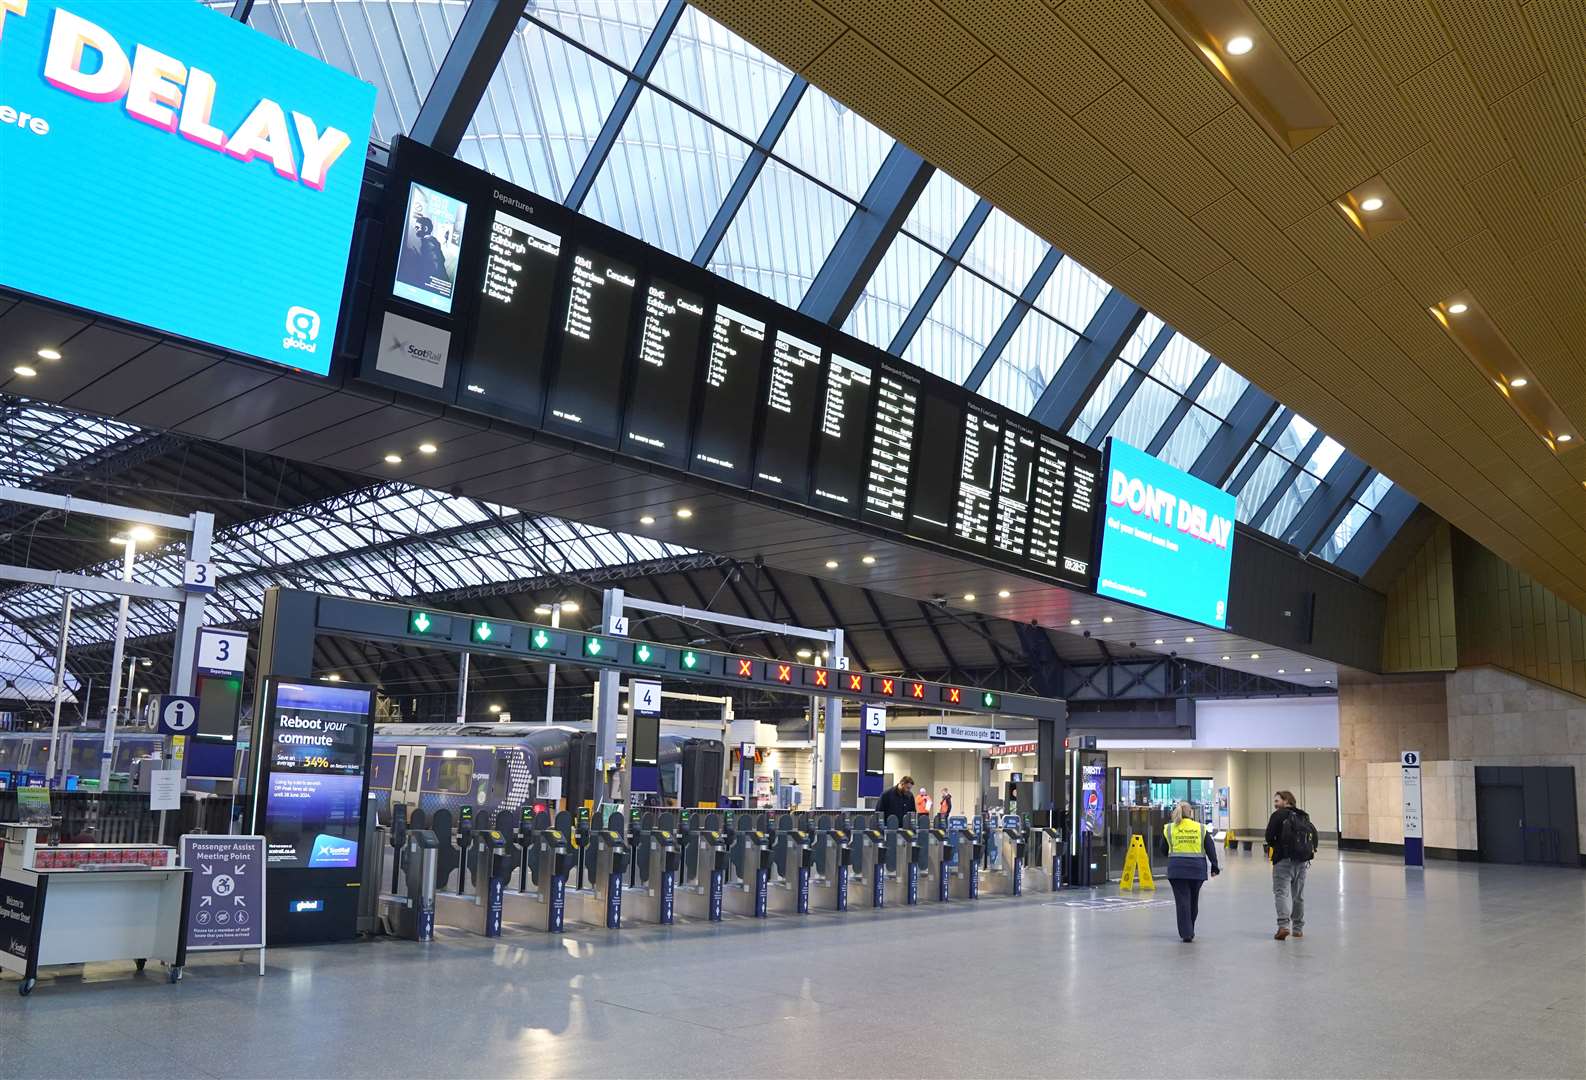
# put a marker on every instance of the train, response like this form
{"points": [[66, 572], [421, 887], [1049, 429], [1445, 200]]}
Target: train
{"points": [[27, 753]]}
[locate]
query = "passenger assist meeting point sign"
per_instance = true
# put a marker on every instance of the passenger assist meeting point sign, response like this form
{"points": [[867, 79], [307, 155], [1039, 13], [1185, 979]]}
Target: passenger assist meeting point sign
{"points": [[164, 164], [1167, 542]]}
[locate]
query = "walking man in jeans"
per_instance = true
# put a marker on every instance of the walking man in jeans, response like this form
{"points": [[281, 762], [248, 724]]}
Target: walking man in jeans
{"points": [[1292, 840]]}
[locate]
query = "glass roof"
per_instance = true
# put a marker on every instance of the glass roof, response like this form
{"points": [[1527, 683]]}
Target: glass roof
{"points": [[719, 154]]}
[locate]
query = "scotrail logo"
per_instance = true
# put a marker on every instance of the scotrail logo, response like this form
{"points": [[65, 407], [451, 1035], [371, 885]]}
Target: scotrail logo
{"points": [[302, 329], [333, 851]]}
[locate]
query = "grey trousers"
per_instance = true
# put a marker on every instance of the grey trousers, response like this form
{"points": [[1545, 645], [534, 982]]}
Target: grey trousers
{"points": [[1288, 892]]}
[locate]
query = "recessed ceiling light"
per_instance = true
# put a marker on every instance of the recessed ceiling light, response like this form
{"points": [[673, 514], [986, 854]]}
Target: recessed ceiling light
{"points": [[685, 513], [1189, 641], [1565, 436], [542, 609], [25, 371], [142, 533], [647, 520], [831, 564], [1281, 671], [868, 560], [1240, 45], [1255, 656], [969, 596], [393, 459], [1159, 641], [1307, 671], [1073, 622], [1003, 594], [1371, 205], [333, 677], [804, 654], [1458, 309], [1225, 657], [1106, 618], [49, 354], [426, 448], [1327, 682], [1518, 382], [570, 606]]}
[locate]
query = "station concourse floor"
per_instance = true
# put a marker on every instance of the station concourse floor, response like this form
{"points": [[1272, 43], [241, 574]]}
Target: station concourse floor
{"points": [[1462, 970]]}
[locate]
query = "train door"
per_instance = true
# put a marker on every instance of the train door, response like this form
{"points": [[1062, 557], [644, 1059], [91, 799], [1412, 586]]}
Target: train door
{"points": [[406, 779]]}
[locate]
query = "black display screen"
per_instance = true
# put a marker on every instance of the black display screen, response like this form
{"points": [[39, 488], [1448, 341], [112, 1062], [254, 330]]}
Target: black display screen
{"points": [[1010, 531], [892, 438], [782, 466], [977, 473], [936, 464], [504, 369], [839, 440], [1079, 514], [661, 393], [875, 753], [724, 438], [587, 390]]}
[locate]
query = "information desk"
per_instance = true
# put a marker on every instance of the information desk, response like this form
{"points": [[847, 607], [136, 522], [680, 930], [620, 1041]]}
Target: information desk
{"points": [[87, 903]]}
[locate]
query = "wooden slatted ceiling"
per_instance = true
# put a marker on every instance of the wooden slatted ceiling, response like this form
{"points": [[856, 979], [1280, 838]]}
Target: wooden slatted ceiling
{"points": [[1093, 123]]}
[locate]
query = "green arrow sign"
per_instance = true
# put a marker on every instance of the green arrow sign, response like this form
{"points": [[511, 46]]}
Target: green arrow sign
{"points": [[541, 639], [483, 631], [420, 622], [690, 660]]}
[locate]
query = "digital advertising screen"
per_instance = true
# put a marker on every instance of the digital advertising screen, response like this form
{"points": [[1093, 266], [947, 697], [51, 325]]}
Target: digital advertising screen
{"points": [[236, 162], [1167, 540], [432, 239], [313, 778]]}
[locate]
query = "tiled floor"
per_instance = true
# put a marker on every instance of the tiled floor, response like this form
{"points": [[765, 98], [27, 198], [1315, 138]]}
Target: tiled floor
{"points": [[1466, 970]]}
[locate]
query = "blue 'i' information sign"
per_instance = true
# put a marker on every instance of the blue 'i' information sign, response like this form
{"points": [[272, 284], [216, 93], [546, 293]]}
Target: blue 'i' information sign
{"points": [[164, 164]]}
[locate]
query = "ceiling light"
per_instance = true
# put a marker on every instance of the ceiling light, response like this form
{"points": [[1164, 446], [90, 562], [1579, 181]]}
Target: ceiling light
{"points": [[426, 448], [49, 354], [570, 606], [831, 564], [1372, 204], [804, 654], [1307, 671], [1458, 309], [146, 662], [333, 677], [647, 520], [1281, 671], [1159, 641], [25, 371], [393, 459], [969, 597], [1255, 656], [495, 708], [685, 513], [1225, 657], [1106, 618], [1565, 437], [868, 560], [119, 541], [1003, 594], [1240, 45], [1327, 682], [1189, 641], [1073, 622], [1517, 383], [141, 533], [542, 609]]}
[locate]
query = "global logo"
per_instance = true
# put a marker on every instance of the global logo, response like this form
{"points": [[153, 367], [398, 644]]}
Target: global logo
{"points": [[302, 329], [333, 851]]}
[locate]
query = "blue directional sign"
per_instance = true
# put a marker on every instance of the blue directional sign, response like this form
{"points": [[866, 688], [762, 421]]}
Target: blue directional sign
{"points": [[178, 715]]}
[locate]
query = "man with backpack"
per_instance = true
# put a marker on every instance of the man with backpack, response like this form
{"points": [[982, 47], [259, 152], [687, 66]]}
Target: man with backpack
{"points": [[1292, 840]]}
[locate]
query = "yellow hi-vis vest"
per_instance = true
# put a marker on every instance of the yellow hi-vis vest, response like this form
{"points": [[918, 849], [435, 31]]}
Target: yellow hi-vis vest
{"points": [[1186, 838]]}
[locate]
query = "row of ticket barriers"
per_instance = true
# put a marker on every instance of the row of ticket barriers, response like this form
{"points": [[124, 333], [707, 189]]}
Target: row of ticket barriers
{"points": [[544, 873]]}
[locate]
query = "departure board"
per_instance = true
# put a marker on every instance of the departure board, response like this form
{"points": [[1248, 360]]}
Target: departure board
{"points": [[977, 475], [936, 462], [1015, 474], [839, 440], [586, 393], [504, 368], [1046, 505], [723, 439], [792, 388], [661, 393], [892, 443], [1079, 514]]}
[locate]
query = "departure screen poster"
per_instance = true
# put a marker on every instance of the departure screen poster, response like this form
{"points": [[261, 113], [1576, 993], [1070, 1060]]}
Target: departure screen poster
{"points": [[840, 436], [661, 394], [432, 238], [504, 367], [314, 777], [936, 469], [586, 393], [782, 466], [723, 440]]}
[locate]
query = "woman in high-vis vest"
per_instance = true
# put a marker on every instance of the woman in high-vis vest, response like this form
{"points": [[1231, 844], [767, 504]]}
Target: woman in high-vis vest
{"points": [[1190, 852]]}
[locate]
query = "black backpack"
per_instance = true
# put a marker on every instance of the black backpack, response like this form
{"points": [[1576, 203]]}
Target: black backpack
{"points": [[1299, 837]]}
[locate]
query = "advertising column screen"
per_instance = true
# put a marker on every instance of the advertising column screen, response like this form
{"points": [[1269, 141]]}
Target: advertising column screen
{"points": [[587, 390], [179, 170], [1167, 543], [662, 393], [318, 739], [782, 466], [840, 441], [504, 369], [723, 440], [432, 239]]}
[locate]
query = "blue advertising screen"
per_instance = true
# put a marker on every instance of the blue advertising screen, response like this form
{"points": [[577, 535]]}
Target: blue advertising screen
{"points": [[1167, 542], [164, 164], [317, 743]]}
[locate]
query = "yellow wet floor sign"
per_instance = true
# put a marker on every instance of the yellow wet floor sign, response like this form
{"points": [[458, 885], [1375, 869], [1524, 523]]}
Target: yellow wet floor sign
{"points": [[1136, 867]]}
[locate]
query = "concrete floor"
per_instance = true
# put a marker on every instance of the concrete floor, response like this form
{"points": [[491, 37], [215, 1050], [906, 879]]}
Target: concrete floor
{"points": [[1475, 971]]}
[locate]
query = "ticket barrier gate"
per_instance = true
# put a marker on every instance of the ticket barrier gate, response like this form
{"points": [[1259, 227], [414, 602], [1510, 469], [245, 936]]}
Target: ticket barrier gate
{"points": [[940, 866], [604, 868], [1007, 838], [549, 859], [652, 879], [869, 858], [748, 887], [831, 863], [701, 886], [791, 863], [907, 857], [968, 854], [411, 913], [1045, 871]]}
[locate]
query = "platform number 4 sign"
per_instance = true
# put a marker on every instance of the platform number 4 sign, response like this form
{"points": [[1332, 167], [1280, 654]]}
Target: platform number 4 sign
{"points": [[646, 697]]}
